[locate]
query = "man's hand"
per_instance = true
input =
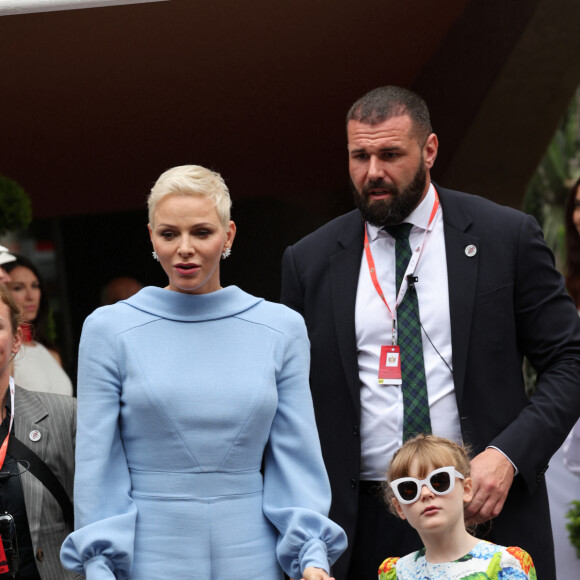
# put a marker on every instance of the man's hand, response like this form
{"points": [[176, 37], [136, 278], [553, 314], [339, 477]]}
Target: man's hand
{"points": [[492, 475]]}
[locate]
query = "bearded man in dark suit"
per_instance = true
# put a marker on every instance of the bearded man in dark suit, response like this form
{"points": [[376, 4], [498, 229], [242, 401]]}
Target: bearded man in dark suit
{"points": [[487, 294]]}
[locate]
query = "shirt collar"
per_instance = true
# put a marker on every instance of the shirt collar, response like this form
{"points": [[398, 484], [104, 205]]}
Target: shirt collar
{"points": [[419, 217]]}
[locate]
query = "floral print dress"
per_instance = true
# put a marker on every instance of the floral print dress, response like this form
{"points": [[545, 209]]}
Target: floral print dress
{"points": [[485, 561]]}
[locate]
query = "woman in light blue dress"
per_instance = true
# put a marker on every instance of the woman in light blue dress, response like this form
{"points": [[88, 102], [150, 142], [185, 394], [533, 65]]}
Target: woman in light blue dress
{"points": [[197, 450]]}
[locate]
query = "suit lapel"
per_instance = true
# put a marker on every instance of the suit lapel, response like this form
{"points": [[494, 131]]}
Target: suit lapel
{"points": [[29, 414], [462, 273], [344, 272]]}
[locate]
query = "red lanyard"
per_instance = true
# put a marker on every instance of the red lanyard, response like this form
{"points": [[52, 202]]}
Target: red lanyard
{"points": [[4, 446], [412, 265]]}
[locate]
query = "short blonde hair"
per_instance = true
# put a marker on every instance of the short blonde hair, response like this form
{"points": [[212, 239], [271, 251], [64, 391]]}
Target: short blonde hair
{"points": [[430, 452], [192, 180]]}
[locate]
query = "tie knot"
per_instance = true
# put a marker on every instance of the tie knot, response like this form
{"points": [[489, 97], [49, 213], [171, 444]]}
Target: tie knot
{"points": [[399, 231]]}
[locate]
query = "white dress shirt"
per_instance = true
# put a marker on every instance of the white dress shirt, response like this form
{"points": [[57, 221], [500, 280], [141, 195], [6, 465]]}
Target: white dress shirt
{"points": [[382, 405]]}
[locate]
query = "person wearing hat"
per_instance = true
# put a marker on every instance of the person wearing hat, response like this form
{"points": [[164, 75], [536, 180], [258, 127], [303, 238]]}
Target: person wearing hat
{"points": [[5, 258]]}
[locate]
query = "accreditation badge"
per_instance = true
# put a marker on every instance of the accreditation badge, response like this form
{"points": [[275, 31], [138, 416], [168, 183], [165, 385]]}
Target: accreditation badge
{"points": [[390, 365]]}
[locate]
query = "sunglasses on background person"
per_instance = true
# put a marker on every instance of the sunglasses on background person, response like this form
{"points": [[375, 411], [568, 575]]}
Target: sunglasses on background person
{"points": [[440, 481]]}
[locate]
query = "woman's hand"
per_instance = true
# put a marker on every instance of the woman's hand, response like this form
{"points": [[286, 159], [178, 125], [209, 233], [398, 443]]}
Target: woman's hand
{"points": [[312, 573]]}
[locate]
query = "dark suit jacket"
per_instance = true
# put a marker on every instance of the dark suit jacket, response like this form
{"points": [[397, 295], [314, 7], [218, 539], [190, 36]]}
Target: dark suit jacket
{"points": [[54, 416], [507, 301]]}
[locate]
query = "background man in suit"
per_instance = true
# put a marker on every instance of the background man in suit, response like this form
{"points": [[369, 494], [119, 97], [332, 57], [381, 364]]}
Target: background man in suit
{"points": [[46, 423], [31, 517], [486, 292]]}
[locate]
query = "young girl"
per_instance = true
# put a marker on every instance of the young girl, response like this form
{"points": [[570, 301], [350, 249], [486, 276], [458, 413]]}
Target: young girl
{"points": [[428, 485]]}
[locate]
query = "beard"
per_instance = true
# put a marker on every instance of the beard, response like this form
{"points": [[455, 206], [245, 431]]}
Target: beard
{"points": [[398, 206]]}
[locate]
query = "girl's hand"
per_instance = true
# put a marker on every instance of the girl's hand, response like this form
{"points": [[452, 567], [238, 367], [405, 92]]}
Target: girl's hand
{"points": [[312, 573]]}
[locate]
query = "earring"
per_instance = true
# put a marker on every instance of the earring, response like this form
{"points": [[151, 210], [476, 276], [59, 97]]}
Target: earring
{"points": [[226, 253], [155, 256]]}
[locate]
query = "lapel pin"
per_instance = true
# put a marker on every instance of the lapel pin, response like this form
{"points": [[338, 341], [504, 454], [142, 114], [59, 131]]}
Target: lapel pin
{"points": [[35, 435], [470, 251]]}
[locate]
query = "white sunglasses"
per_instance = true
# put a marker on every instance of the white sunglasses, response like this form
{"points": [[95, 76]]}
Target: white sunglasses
{"points": [[440, 481]]}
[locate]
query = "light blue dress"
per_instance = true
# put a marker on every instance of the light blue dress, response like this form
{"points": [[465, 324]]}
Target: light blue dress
{"points": [[182, 400]]}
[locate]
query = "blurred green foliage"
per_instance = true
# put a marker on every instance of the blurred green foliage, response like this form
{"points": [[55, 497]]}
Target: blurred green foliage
{"points": [[573, 525], [546, 200], [548, 189], [15, 208]]}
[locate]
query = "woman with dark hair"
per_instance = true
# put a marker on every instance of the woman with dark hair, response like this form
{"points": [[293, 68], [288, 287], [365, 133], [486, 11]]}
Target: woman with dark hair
{"points": [[39, 368], [563, 477], [572, 224]]}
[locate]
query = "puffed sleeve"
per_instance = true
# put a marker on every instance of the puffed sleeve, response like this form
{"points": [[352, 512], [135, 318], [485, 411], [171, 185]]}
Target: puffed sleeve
{"points": [[296, 487], [101, 547], [516, 563], [388, 569]]}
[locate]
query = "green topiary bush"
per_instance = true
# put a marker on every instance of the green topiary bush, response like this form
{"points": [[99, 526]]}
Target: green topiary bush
{"points": [[15, 208]]}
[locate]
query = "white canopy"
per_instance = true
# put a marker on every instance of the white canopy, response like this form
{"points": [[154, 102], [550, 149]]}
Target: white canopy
{"points": [[26, 6]]}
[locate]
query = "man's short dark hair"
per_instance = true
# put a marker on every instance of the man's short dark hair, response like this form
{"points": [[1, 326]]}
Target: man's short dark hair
{"points": [[384, 103]]}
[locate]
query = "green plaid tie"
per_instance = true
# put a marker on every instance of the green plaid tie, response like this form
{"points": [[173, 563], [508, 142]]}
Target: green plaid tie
{"points": [[416, 404]]}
